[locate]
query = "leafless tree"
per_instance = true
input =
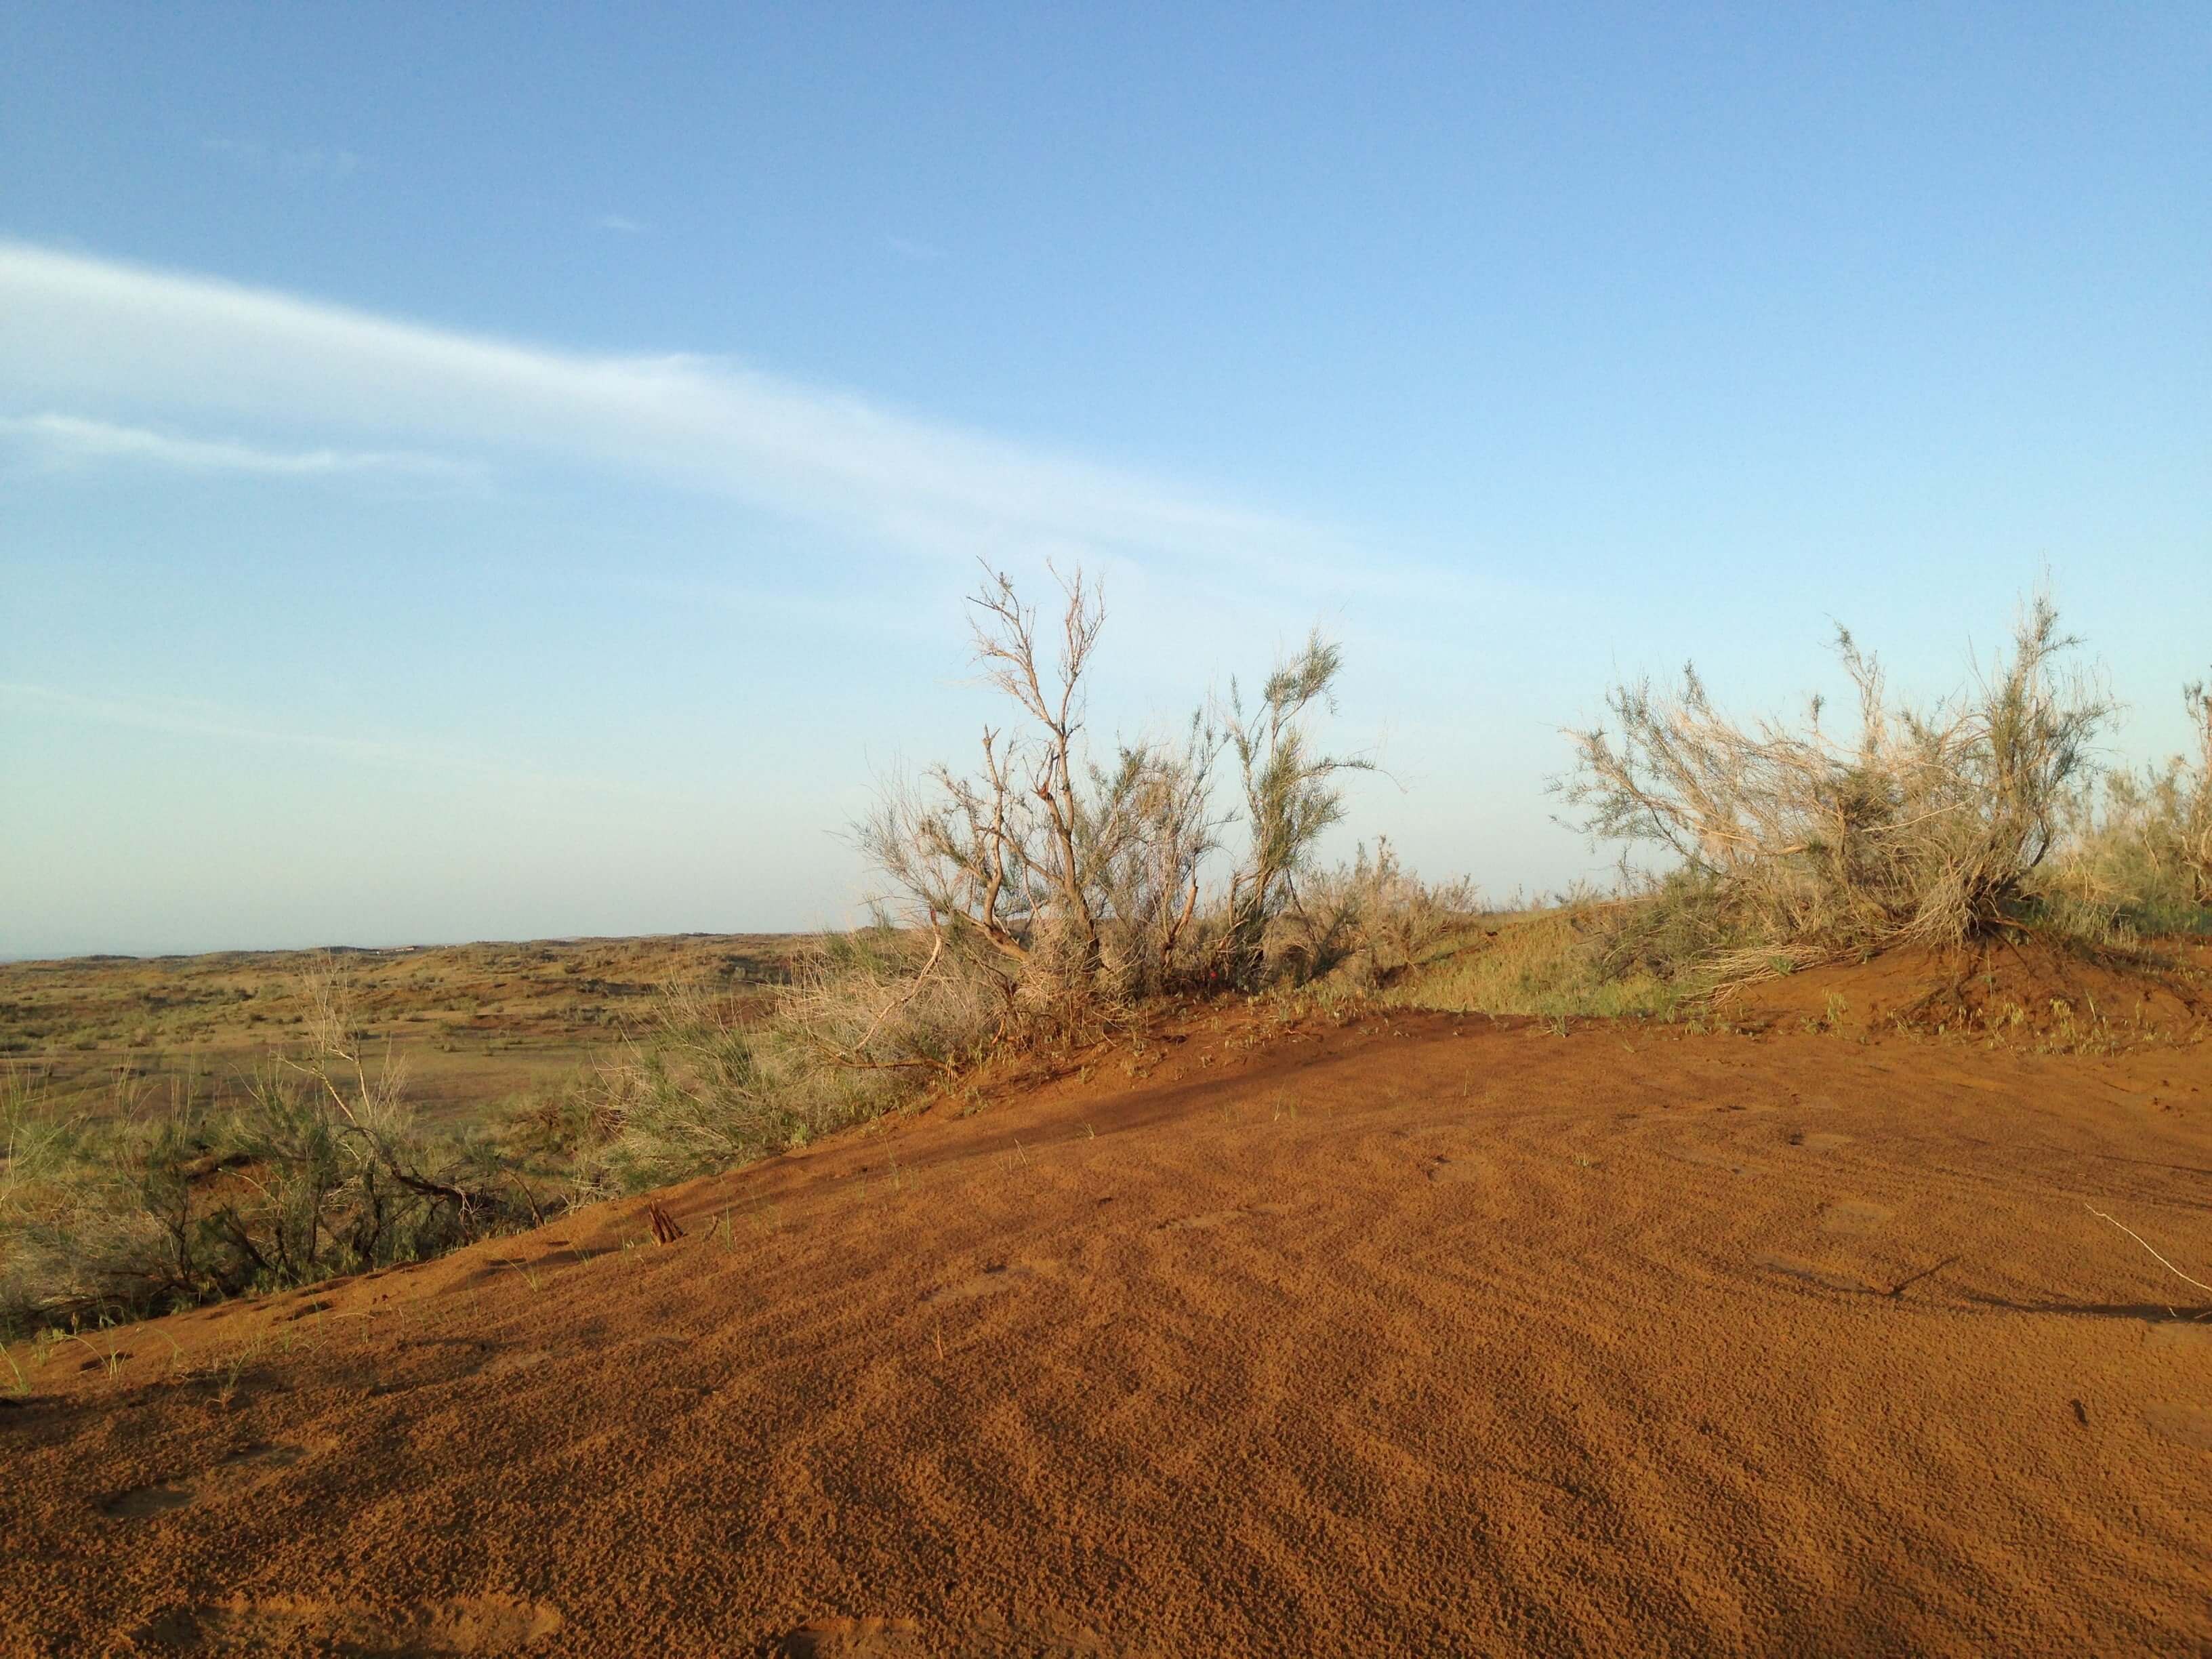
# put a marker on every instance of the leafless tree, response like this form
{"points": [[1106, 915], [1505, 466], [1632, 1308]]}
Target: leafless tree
{"points": [[1003, 863]]}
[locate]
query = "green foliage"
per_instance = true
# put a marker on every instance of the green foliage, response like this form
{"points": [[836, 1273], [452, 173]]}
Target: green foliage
{"points": [[318, 1170], [1291, 800], [701, 1088]]}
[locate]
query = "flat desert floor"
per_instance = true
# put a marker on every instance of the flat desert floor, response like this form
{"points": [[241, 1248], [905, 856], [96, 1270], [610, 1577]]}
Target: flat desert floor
{"points": [[471, 1025], [1420, 1334]]}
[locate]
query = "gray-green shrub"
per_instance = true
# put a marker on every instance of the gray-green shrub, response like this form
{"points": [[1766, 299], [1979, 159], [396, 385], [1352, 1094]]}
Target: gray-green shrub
{"points": [[1053, 887], [320, 1170], [1792, 844]]}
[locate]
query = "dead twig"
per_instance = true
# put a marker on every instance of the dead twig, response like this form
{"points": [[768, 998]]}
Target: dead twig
{"points": [[2154, 1254]]}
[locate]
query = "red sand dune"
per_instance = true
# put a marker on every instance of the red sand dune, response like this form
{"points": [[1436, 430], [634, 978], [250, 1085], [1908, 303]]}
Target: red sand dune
{"points": [[1427, 1335]]}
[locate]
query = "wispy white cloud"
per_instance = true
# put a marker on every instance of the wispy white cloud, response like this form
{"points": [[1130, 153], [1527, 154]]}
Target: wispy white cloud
{"points": [[284, 163], [82, 333], [192, 718], [619, 224], [908, 248], [64, 440]]}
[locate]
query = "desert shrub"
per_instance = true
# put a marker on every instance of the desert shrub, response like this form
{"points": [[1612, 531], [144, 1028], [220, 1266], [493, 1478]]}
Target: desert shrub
{"points": [[1291, 799], [1036, 901], [1792, 845], [2138, 857], [704, 1084], [1156, 799], [688, 1091], [2192, 784], [1692, 929], [1003, 869], [1372, 917], [871, 1000], [549, 1127], [141, 1215], [1052, 888], [1033, 901], [319, 1169]]}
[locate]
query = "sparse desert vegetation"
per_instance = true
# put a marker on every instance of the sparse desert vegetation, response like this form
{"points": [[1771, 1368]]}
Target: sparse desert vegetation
{"points": [[475, 1022], [185, 1130], [1285, 1299], [1481, 739], [1064, 883], [2134, 859], [1121, 1044], [1980, 826], [178, 1132], [1791, 845]]}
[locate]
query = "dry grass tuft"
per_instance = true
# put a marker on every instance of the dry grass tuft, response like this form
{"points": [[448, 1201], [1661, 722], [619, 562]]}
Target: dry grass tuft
{"points": [[1552, 963], [1371, 921]]}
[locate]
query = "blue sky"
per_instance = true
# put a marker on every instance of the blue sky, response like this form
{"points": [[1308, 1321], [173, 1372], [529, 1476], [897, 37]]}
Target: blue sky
{"points": [[508, 471]]}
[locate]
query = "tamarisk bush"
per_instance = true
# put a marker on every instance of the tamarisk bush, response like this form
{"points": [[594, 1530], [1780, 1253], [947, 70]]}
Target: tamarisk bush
{"points": [[1792, 844], [1053, 885]]}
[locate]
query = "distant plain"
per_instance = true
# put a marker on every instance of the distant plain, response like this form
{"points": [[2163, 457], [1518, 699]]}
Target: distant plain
{"points": [[473, 1025]]}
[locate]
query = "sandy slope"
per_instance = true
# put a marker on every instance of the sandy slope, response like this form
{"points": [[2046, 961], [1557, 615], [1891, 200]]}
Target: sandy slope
{"points": [[1420, 1337]]}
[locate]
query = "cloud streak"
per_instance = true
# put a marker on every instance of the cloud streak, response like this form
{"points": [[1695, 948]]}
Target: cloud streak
{"points": [[67, 441], [79, 332], [181, 718]]}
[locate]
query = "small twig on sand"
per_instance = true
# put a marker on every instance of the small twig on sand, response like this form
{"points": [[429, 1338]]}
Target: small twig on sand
{"points": [[2154, 1256]]}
